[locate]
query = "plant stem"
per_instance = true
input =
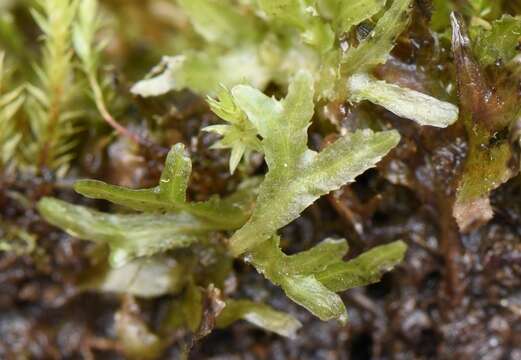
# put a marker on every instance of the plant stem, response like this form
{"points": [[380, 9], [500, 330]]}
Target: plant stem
{"points": [[105, 114]]}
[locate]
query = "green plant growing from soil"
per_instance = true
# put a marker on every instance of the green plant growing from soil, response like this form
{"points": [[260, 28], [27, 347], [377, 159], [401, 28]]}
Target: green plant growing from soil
{"points": [[198, 205]]}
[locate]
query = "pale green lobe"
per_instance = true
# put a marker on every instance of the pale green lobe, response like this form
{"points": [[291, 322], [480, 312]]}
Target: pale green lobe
{"points": [[240, 135], [218, 21], [303, 16], [258, 107], [236, 156], [440, 19], [128, 236], [312, 278], [375, 49], [500, 42], [225, 106], [281, 202], [224, 214], [350, 13], [308, 292], [301, 287], [269, 258], [135, 199], [218, 129], [298, 176], [366, 269], [260, 315], [290, 11], [406, 103], [175, 176], [316, 259]]}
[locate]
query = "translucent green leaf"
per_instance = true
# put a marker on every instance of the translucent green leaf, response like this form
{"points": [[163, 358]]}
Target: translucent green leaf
{"points": [[484, 9], [440, 19], [317, 258], [366, 269], [218, 21], [298, 176], [135, 235], [308, 292], [500, 43], [240, 135], [128, 236], [406, 103], [229, 213], [347, 14], [303, 16], [224, 107], [375, 49], [175, 176], [282, 124], [260, 315], [328, 75], [290, 11], [312, 278], [302, 288]]}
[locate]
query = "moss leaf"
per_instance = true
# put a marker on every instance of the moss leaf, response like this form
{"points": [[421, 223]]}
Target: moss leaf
{"points": [[375, 49], [406, 103], [298, 176], [128, 236], [313, 277], [500, 42], [260, 315], [169, 195]]}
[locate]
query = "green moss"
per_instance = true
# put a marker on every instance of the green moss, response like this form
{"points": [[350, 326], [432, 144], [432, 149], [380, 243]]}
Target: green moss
{"points": [[266, 68]]}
